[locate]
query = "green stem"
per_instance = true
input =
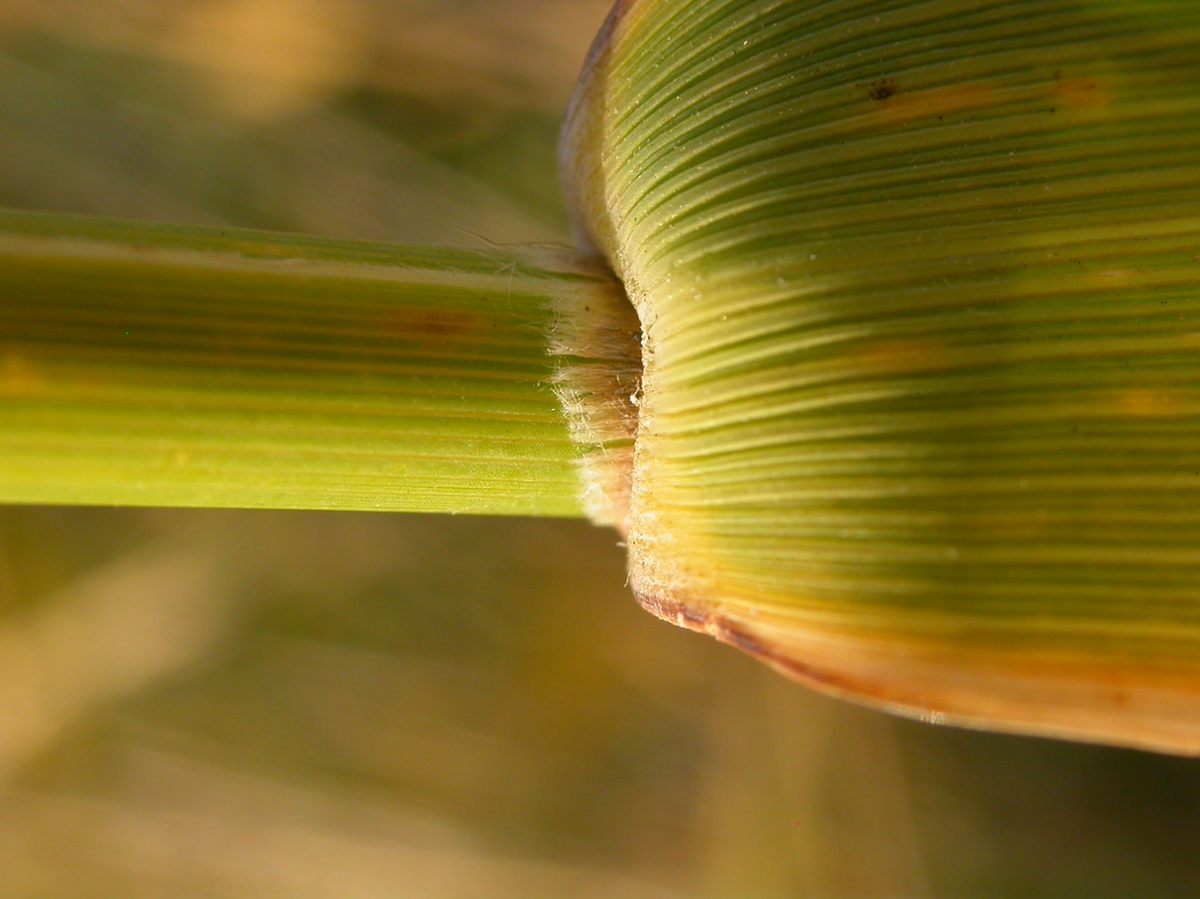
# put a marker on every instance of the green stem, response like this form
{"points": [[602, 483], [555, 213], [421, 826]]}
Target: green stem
{"points": [[158, 365]]}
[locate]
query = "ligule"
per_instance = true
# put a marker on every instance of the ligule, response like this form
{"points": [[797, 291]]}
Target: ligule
{"points": [[598, 337], [920, 284]]}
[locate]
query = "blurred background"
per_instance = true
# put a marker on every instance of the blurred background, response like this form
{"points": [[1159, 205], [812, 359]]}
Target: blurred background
{"points": [[249, 704]]}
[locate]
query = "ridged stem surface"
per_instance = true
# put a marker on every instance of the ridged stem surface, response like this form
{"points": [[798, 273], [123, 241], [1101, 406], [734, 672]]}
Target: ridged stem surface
{"points": [[158, 365]]}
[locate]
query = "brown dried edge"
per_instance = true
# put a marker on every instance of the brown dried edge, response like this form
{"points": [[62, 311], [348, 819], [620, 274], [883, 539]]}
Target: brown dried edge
{"points": [[1056, 696]]}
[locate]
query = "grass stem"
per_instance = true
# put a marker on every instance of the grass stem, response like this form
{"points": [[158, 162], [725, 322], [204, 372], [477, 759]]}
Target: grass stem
{"points": [[143, 364]]}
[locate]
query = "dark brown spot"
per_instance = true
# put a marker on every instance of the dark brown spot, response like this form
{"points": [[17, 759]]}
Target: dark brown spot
{"points": [[882, 89]]}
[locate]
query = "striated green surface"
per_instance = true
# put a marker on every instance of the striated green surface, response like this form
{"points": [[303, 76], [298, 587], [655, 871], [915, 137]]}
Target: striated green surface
{"points": [[159, 365], [921, 286]]}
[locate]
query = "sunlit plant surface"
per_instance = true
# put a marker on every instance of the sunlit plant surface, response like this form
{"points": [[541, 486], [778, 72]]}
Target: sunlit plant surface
{"points": [[317, 704]]}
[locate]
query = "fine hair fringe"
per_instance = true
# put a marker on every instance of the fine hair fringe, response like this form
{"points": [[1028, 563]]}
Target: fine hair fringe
{"points": [[596, 338]]}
